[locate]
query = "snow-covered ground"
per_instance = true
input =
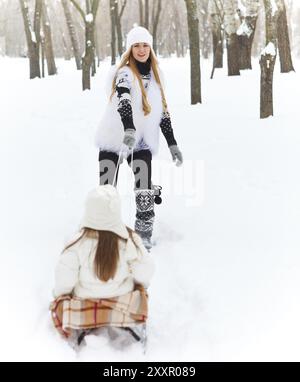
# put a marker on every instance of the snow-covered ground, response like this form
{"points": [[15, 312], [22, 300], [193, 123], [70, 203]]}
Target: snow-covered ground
{"points": [[227, 256]]}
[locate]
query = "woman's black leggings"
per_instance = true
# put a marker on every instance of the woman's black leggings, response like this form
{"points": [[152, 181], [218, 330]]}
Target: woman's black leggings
{"points": [[141, 168]]}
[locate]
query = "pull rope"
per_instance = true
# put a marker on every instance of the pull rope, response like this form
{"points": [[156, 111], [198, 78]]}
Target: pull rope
{"points": [[114, 183], [119, 162], [131, 161]]}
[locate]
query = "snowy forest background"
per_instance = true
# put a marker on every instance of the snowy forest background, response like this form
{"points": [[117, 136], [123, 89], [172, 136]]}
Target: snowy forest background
{"points": [[227, 281], [171, 34], [92, 30]]}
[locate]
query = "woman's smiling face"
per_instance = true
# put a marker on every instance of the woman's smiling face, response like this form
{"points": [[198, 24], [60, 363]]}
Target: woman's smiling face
{"points": [[141, 51]]}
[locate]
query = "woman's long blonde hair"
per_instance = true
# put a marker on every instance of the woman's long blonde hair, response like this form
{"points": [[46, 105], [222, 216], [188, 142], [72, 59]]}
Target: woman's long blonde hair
{"points": [[129, 60]]}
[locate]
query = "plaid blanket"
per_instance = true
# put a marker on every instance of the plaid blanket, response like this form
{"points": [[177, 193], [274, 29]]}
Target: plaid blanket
{"points": [[69, 312]]}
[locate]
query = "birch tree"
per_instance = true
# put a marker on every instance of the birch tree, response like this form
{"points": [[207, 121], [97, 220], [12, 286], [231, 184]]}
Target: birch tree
{"points": [[248, 13], [194, 43], [231, 26]]}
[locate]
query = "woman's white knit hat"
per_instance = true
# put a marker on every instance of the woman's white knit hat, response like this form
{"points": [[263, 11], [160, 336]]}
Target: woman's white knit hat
{"points": [[103, 211], [138, 34]]}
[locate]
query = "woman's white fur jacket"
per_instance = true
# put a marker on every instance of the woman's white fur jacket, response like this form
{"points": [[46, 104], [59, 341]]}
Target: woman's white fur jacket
{"points": [[110, 132], [75, 270]]}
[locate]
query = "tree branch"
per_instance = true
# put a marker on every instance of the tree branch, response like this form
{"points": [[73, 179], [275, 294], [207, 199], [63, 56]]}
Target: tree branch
{"points": [[122, 9], [95, 6], [79, 9]]}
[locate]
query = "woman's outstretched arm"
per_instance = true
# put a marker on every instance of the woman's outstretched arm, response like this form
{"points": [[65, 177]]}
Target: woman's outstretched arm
{"points": [[167, 130]]}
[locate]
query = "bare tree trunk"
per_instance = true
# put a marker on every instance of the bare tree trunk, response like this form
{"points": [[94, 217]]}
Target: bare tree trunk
{"points": [[32, 44], [146, 23], [155, 23], [43, 55], [72, 33], [113, 31], [230, 8], [141, 12], [179, 38], [118, 27], [245, 44], [118, 17], [48, 42], [37, 22], [216, 12], [248, 16], [286, 64], [267, 62], [93, 64], [193, 27], [144, 13], [205, 40], [218, 47], [66, 50], [88, 60], [97, 47]]}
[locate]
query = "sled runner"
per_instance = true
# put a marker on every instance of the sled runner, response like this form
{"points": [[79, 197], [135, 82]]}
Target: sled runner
{"points": [[137, 333]]}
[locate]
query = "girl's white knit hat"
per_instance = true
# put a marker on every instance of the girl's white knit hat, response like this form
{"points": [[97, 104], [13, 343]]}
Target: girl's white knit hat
{"points": [[138, 34], [103, 211]]}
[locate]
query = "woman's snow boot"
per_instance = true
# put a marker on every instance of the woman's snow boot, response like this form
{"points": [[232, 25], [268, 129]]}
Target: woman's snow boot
{"points": [[144, 215]]}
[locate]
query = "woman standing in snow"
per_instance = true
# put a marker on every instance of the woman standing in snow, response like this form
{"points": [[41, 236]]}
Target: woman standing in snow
{"points": [[136, 112]]}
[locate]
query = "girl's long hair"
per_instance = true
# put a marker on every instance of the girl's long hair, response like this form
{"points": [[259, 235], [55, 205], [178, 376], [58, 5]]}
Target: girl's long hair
{"points": [[107, 252], [129, 60]]}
